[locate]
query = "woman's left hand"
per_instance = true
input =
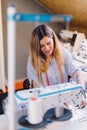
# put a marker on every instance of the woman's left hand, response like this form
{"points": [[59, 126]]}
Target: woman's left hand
{"points": [[83, 104]]}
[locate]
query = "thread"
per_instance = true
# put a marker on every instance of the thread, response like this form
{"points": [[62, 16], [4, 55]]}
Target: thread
{"points": [[35, 110]]}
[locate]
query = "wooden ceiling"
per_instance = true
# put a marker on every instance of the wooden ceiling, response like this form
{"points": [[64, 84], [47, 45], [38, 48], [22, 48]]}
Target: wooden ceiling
{"points": [[76, 8]]}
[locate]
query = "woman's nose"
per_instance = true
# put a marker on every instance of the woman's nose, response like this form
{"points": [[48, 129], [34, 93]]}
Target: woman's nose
{"points": [[46, 47]]}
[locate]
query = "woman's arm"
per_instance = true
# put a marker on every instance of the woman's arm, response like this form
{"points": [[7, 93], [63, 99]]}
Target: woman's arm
{"points": [[79, 77]]}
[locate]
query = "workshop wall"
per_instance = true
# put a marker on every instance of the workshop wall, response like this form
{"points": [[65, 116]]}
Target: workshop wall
{"points": [[23, 33]]}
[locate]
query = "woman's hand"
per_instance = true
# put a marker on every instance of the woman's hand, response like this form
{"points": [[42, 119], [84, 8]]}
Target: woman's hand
{"points": [[84, 101], [83, 104], [34, 85]]}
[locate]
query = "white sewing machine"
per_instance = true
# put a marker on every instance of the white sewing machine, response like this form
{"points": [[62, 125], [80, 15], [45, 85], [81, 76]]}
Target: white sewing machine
{"points": [[80, 51], [77, 44], [72, 37], [40, 100]]}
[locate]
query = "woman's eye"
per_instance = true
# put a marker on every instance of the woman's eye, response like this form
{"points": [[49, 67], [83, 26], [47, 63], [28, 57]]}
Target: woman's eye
{"points": [[48, 43]]}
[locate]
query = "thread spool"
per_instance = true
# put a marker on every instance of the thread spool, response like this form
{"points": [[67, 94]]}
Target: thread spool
{"points": [[35, 115], [59, 111]]}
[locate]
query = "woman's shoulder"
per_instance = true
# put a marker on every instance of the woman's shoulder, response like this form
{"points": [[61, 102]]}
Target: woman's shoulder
{"points": [[65, 51], [67, 54], [29, 65], [29, 62]]}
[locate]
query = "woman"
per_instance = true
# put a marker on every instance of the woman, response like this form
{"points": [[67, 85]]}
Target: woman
{"points": [[49, 63]]}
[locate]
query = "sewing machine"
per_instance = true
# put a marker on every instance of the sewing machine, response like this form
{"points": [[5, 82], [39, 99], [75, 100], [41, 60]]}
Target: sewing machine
{"points": [[80, 52], [41, 100], [76, 43], [72, 37]]}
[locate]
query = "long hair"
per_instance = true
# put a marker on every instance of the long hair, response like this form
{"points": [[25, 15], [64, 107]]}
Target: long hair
{"points": [[38, 59]]}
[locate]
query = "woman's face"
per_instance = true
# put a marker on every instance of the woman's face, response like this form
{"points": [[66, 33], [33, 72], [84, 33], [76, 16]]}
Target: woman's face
{"points": [[47, 46]]}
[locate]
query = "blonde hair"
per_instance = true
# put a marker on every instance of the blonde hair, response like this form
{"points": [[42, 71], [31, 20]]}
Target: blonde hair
{"points": [[38, 59]]}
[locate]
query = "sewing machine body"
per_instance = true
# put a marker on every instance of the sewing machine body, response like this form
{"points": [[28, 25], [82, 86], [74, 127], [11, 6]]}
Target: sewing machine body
{"points": [[51, 97], [77, 45]]}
